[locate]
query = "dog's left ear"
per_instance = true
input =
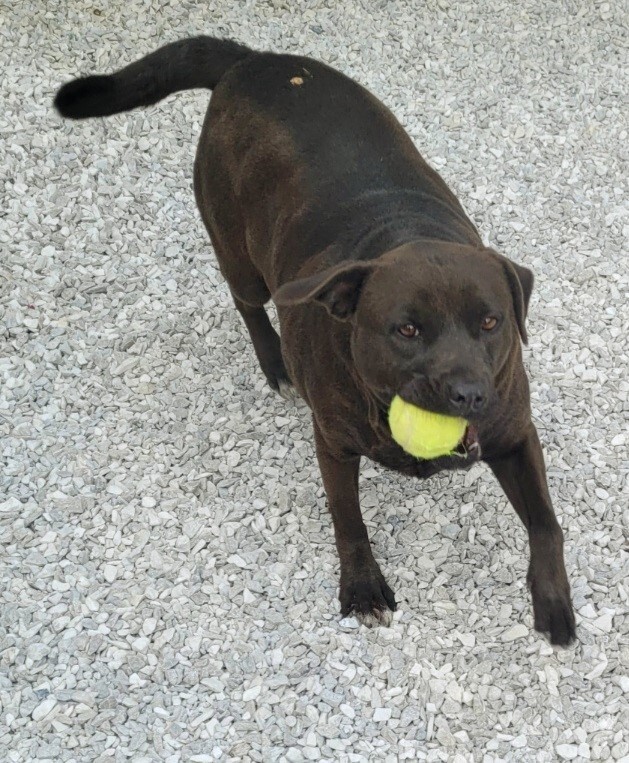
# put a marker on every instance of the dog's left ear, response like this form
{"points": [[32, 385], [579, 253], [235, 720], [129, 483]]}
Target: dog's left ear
{"points": [[520, 280], [337, 288]]}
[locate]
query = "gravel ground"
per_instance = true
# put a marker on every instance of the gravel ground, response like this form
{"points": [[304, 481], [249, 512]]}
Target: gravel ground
{"points": [[168, 568]]}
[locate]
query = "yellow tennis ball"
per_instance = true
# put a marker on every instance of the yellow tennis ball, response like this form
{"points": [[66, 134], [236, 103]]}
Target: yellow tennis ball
{"points": [[424, 434]]}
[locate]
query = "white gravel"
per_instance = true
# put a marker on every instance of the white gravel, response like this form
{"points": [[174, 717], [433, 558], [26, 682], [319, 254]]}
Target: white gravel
{"points": [[168, 569]]}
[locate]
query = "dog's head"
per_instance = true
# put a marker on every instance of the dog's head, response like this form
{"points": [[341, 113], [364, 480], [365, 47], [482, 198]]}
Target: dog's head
{"points": [[433, 322]]}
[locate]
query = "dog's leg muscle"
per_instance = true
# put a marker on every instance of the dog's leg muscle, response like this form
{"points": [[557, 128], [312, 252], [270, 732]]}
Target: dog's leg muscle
{"points": [[523, 478], [364, 592]]}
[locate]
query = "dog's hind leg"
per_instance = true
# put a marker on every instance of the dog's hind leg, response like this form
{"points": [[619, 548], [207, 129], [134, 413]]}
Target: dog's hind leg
{"points": [[250, 294], [266, 344], [218, 206]]}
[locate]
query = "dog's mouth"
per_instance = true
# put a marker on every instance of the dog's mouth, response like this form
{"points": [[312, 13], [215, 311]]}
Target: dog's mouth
{"points": [[469, 447]]}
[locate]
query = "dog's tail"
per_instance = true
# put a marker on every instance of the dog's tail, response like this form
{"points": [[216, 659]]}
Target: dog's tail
{"points": [[183, 65]]}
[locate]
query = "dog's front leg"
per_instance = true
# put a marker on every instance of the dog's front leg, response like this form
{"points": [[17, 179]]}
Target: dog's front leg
{"points": [[523, 478], [364, 592]]}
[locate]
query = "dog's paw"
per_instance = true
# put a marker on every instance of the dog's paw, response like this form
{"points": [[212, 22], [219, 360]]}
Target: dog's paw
{"points": [[383, 617], [286, 390], [552, 609], [555, 618], [371, 602], [278, 378]]}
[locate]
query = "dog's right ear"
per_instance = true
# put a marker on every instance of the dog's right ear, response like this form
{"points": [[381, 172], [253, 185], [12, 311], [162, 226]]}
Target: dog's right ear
{"points": [[337, 288]]}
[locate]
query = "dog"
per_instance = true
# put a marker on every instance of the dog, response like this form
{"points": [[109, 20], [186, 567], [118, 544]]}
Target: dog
{"points": [[314, 196]]}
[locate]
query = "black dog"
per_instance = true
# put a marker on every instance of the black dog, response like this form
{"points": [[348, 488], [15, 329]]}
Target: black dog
{"points": [[313, 194]]}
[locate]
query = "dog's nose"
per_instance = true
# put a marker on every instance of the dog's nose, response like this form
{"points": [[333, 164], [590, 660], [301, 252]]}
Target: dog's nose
{"points": [[467, 397]]}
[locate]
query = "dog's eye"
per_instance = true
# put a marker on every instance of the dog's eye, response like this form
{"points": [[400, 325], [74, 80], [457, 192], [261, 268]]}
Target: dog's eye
{"points": [[489, 323], [408, 330]]}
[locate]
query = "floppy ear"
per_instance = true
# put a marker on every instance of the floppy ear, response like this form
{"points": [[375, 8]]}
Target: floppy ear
{"points": [[336, 288], [520, 280]]}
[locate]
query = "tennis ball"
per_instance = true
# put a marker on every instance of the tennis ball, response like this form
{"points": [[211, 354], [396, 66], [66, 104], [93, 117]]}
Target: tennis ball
{"points": [[424, 434]]}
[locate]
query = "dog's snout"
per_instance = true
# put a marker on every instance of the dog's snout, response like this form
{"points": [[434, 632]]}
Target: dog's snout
{"points": [[467, 397]]}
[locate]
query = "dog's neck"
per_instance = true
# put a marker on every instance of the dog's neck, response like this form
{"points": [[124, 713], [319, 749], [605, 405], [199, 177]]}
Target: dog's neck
{"points": [[368, 226]]}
